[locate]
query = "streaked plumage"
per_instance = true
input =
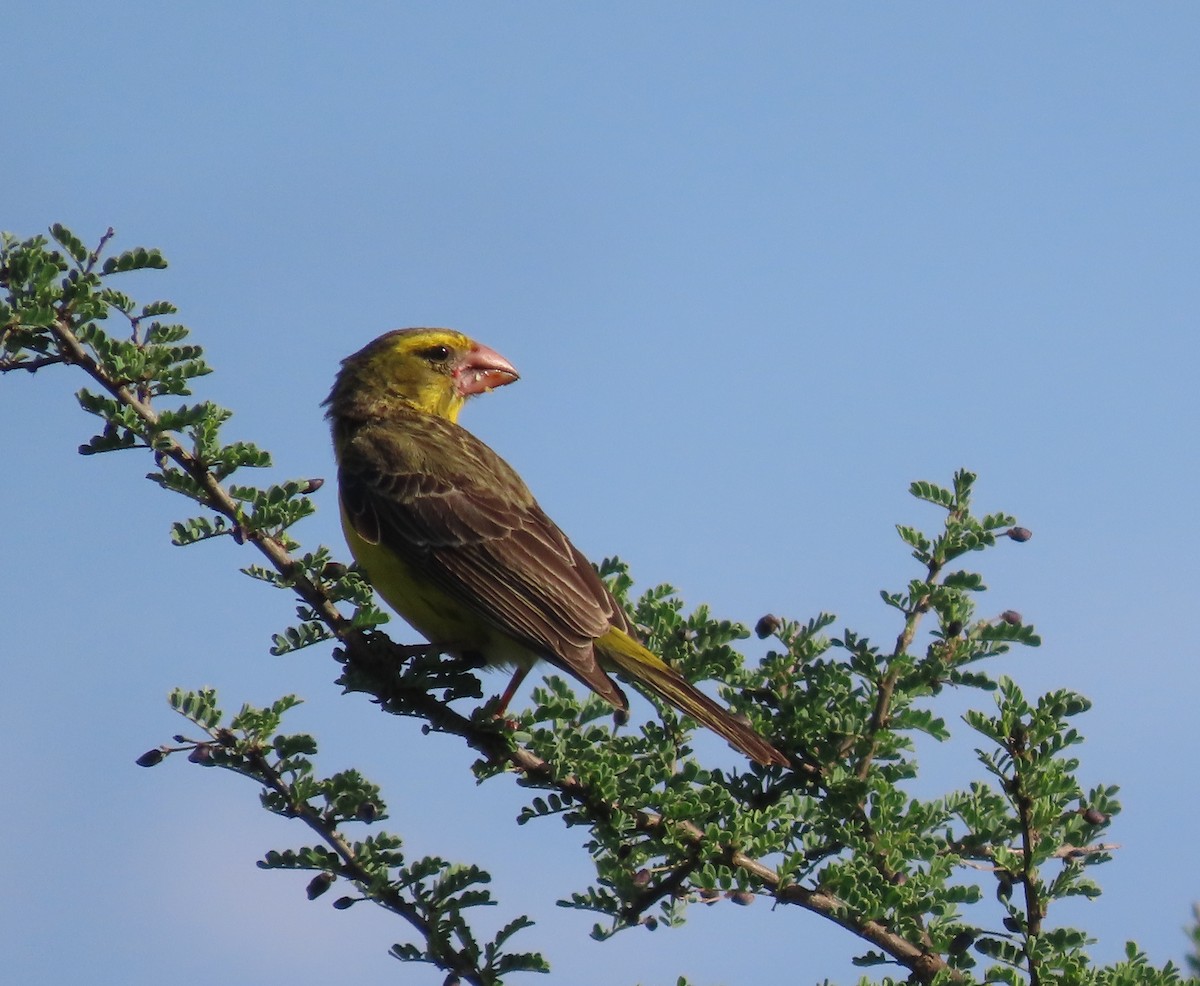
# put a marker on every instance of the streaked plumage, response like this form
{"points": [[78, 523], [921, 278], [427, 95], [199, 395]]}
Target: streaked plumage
{"points": [[451, 537]]}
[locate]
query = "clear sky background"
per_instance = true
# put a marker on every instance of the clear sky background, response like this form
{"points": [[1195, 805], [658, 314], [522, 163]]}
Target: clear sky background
{"points": [[760, 267]]}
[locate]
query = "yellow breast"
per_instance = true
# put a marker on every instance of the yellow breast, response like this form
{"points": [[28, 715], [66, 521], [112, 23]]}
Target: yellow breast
{"points": [[435, 614]]}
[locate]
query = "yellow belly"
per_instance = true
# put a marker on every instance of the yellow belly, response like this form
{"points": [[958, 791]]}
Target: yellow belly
{"points": [[436, 615]]}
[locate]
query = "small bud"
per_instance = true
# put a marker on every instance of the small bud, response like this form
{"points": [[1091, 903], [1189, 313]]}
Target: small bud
{"points": [[312, 486], [641, 878], [151, 758], [1019, 533], [767, 626], [620, 717], [201, 754], [333, 571], [709, 896], [651, 922], [318, 885], [1093, 816], [1011, 617], [742, 897], [343, 902], [368, 811], [954, 628]]}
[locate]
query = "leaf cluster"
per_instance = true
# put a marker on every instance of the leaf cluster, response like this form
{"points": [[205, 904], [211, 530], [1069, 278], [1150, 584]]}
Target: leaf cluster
{"points": [[431, 894]]}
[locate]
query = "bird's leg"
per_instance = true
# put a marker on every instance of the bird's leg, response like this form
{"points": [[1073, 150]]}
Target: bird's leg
{"points": [[495, 708], [509, 692]]}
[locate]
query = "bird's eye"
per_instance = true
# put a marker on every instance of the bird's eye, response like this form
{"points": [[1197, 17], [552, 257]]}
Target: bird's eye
{"points": [[436, 354]]}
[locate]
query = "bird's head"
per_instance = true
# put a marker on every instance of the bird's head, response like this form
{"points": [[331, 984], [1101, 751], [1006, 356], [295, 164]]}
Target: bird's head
{"points": [[434, 370]]}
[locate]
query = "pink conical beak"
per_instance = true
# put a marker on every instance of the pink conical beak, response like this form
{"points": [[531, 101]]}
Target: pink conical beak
{"points": [[483, 369]]}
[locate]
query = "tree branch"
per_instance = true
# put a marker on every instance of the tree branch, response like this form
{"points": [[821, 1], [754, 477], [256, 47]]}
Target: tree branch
{"points": [[379, 658]]}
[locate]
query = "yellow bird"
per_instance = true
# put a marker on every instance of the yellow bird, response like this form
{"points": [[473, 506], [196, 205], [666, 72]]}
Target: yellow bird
{"points": [[453, 540]]}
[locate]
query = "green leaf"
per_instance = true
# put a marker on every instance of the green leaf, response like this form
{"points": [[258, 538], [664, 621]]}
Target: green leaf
{"points": [[1001, 631], [932, 493], [198, 529], [297, 637], [69, 242], [137, 259], [968, 581]]}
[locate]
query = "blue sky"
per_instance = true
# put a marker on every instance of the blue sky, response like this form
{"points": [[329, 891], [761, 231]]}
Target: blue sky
{"points": [[760, 267]]}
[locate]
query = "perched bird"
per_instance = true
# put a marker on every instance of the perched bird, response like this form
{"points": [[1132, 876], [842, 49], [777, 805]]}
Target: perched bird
{"points": [[453, 540]]}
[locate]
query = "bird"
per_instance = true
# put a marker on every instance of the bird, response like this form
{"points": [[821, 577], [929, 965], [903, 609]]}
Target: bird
{"points": [[453, 540]]}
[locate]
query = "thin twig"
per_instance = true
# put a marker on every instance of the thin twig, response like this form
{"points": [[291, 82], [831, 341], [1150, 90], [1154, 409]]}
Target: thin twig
{"points": [[7, 365]]}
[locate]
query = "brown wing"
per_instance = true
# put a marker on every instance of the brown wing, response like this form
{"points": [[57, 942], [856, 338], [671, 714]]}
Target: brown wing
{"points": [[460, 515]]}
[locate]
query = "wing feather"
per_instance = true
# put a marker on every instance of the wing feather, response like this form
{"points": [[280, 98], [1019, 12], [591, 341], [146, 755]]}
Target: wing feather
{"points": [[456, 512]]}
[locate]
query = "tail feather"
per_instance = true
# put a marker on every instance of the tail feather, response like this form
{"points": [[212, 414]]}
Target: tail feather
{"points": [[628, 657]]}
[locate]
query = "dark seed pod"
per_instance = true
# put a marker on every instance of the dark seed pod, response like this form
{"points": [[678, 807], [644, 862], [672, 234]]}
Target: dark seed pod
{"points": [[641, 878], [318, 885], [954, 628], [767, 626], [343, 902], [742, 897], [333, 571], [961, 942], [1019, 533], [1093, 816], [312, 486], [201, 754], [1011, 617], [151, 758], [368, 811]]}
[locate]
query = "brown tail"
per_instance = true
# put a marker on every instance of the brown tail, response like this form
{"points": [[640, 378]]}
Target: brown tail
{"points": [[639, 664]]}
